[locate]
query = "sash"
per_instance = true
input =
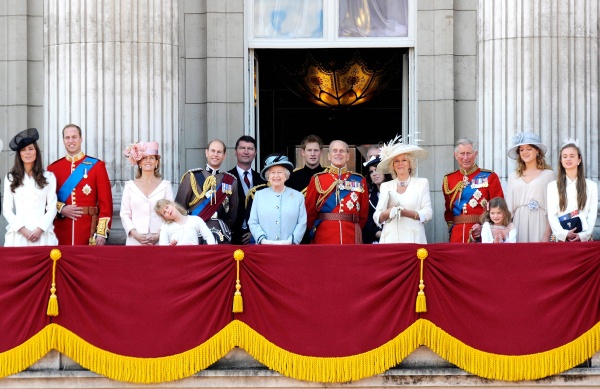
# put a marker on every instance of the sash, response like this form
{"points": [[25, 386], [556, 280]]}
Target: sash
{"points": [[75, 178], [211, 204], [331, 203], [469, 191]]}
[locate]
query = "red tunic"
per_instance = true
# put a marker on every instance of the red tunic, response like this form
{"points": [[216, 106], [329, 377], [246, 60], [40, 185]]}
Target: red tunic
{"points": [[468, 202], [323, 196], [93, 191]]}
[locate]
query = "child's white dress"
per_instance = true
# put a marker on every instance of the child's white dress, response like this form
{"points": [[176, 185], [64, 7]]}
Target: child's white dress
{"points": [[489, 231], [186, 233]]}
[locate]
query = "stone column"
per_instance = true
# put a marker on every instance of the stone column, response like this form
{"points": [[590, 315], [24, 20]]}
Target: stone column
{"points": [[112, 67], [538, 71]]}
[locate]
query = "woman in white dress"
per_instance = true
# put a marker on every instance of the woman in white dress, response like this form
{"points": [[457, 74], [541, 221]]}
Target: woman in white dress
{"points": [[141, 223], [526, 189], [572, 199], [404, 202], [29, 204]]}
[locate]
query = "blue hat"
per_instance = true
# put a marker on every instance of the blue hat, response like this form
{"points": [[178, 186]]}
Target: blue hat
{"points": [[525, 138], [24, 139], [275, 160], [373, 161]]}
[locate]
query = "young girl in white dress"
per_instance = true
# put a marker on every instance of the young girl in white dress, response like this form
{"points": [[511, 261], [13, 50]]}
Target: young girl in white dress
{"points": [[496, 227], [179, 228]]}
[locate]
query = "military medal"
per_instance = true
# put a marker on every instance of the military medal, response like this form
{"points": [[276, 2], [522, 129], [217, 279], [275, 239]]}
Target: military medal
{"points": [[86, 190]]}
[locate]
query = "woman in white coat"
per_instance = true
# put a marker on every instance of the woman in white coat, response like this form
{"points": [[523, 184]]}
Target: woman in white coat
{"points": [[141, 223], [404, 202], [29, 204]]}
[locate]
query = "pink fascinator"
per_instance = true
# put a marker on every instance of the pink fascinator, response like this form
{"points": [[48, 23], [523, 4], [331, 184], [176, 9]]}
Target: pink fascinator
{"points": [[135, 152]]}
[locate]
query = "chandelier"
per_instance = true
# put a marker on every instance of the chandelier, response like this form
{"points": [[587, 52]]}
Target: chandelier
{"points": [[335, 78]]}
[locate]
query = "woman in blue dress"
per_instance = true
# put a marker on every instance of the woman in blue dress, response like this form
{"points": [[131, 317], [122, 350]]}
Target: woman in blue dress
{"points": [[278, 214]]}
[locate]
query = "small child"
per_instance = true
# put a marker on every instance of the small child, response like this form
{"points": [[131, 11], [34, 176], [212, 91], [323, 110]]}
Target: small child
{"points": [[496, 227], [179, 228]]}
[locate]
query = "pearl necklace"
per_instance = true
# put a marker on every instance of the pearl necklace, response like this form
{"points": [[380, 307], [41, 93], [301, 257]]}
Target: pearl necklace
{"points": [[403, 183]]}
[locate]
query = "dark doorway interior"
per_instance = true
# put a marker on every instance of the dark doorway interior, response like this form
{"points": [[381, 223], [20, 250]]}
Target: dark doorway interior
{"points": [[285, 118]]}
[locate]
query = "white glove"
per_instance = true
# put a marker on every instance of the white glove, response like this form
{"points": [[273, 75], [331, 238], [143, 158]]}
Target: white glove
{"points": [[277, 242], [394, 212]]}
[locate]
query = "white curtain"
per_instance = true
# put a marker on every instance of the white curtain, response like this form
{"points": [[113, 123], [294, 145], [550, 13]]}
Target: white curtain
{"points": [[288, 18], [373, 18]]}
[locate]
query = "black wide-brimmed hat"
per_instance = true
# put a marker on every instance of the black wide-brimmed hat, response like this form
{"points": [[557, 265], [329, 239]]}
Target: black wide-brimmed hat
{"points": [[24, 139]]}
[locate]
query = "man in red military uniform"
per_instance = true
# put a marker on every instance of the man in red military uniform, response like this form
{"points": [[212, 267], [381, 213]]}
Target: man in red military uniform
{"points": [[337, 201], [84, 204], [467, 192]]}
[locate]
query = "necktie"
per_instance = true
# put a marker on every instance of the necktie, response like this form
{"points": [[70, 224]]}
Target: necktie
{"points": [[246, 180]]}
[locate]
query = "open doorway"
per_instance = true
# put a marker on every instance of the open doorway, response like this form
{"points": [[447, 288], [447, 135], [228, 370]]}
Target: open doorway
{"points": [[284, 117]]}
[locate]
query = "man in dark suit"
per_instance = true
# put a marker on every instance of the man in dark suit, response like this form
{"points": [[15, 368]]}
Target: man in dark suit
{"points": [[245, 152]]}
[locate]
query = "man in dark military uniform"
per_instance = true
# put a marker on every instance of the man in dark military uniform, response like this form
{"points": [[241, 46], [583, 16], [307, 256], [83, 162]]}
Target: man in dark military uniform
{"points": [[312, 147], [211, 194]]}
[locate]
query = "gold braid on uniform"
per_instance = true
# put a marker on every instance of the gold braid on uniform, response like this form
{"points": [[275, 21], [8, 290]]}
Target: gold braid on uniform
{"points": [[323, 193], [209, 183], [454, 192], [253, 191], [457, 191]]}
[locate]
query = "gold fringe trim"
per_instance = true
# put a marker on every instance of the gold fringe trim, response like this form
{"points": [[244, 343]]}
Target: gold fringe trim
{"points": [[510, 367], [317, 369], [145, 370], [327, 369], [26, 354]]}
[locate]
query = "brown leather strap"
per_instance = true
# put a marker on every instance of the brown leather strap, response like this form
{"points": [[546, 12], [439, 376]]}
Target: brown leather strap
{"points": [[466, 219], [89, 211], [93, 227], [343, 217]]}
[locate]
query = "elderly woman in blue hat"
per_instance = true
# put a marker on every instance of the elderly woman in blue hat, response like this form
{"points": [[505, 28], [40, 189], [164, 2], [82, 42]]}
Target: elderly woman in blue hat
{"points": [[527, 186], [29, 204], [278, 214]]}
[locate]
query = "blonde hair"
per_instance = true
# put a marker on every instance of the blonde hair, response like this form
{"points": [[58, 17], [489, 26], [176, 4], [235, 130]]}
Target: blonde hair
{"points": [[162, 203]]}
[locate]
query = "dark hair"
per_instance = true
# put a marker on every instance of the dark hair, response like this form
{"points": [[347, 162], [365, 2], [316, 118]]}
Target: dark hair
{"points": [[17, 173], [540, 161], [311, 139], [75, 126], [245, 138], [372, 186], [561, 181], [497, 202]]}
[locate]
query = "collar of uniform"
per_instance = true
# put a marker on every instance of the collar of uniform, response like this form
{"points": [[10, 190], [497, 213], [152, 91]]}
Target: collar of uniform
{"points": [[212, 171], [338, 170], [74, 158], [469, 171]]}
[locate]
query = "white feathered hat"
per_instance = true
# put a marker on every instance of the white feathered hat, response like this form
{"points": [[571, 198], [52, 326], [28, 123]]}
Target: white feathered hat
{"points": [[397, 147]]}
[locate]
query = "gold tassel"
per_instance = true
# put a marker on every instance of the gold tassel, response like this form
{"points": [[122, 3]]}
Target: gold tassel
{"points": [[421, 305], [55, 255], [238, 303]]}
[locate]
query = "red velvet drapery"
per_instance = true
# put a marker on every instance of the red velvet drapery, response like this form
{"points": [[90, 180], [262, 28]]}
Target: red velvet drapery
{"points": [[324, 302]]}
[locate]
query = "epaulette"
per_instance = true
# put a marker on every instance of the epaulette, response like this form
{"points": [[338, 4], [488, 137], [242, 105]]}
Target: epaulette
{"points": [[447, 174], [486, 170], [230, 175], [252, 192], [296, 169], [190, 171]]}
